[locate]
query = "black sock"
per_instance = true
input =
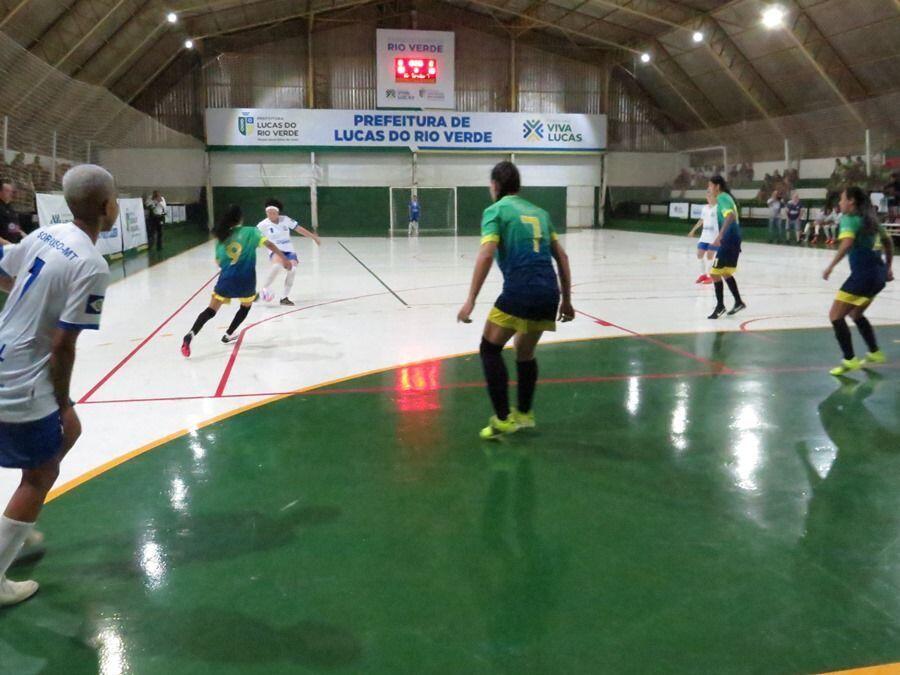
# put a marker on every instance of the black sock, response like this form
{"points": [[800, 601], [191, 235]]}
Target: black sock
{"points": [[528, 373], [202, 318], [842, 333], [238, 319], [720, 293], [868, 334], [496, 376], [732, 286]]}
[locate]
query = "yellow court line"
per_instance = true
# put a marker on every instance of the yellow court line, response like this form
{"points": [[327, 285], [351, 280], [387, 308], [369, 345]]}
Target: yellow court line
{"points": [[886, 669], [103, 468]]}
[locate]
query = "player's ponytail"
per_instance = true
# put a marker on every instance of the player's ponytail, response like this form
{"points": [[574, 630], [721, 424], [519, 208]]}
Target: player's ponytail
{"points": [[506, 175], [231, 218], [722, 184], [863, 208]]}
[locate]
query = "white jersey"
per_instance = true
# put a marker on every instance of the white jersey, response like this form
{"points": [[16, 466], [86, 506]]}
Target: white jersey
{"points": [[60, 282], [279, 233], [710, 224]]}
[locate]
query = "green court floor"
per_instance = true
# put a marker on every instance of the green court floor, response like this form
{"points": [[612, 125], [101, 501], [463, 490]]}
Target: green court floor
{"points": [[689, 503]]}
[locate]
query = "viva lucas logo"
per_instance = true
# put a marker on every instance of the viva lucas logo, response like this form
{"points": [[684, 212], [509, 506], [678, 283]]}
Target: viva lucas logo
{"points": [[553, 132], [245, 125]]}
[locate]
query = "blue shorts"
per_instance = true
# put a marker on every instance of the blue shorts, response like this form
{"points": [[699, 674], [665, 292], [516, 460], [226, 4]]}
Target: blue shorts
{"points": [[704, 246], [863, 285], [30, 444], [290, 256]]}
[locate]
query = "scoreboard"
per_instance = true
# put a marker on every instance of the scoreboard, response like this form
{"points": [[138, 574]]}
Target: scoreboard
{"points": [[416, 69]]}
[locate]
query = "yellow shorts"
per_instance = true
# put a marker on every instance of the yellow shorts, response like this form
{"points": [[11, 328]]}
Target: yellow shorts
{"points": [[505, 320], [227, 301], [850, 299]]}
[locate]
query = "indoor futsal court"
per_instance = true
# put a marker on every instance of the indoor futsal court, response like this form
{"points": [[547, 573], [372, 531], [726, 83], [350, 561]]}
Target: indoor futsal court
{"points": [[302, 449]]}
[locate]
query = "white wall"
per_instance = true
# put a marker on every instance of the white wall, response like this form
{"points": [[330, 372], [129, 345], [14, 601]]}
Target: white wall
{"points": [[177, 173], [643, 169]]}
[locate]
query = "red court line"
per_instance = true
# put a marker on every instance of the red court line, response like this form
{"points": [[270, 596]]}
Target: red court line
{"points": [[591, 379], [118, 366], [719, 367], [223, 381]]}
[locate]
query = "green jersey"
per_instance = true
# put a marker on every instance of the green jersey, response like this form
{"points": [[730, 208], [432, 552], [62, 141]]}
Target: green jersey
{"points": [[725, 206], [867, 249], [523, 233], [237, 260]]}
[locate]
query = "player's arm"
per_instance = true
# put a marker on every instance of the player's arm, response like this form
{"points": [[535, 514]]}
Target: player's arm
{"points": [[299, 229], [888, 244], [62, 361], [285, 263], [483, 262], [845, 245], [696, 227], [729, 219], [566, 311]]}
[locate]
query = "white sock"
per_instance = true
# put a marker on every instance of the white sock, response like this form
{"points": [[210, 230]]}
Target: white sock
{"points": [[272, 274], [289, 282], [12, 536], [702, 262]]}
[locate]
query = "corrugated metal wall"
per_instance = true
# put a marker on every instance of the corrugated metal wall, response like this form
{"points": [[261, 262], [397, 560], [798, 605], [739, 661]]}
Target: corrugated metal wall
{"points": [[275, 74], [630, 121]]}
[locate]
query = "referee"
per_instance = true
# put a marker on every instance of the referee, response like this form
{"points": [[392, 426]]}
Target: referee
{"points": [[9, 219]]}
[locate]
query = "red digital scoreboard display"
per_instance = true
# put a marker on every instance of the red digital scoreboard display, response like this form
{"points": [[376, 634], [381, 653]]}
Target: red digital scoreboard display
{"points": [[415, 70]]}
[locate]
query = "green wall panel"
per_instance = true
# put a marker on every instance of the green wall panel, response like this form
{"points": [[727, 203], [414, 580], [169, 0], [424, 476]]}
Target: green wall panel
{"points": [[252, 201], [354, 211], [472, 201]]}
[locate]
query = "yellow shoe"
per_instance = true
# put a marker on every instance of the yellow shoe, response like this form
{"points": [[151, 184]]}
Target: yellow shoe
{"points": [[497, 428], [875, 357], [846, 366], [524, 420]]}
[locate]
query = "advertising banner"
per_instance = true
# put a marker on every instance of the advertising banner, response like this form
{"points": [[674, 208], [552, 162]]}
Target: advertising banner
{"points": [[679, 209], [505, 132], [52, 210]]}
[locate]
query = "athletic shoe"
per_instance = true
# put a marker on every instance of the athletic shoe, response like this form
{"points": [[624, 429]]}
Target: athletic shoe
{"points": [[186, 347], [701, 279], [814, 240], [524, 420], [846, 366], [737, 308], [717, 312], [873, 358], [32, 548], [497, 428], [266, 295], [227, 339], [287, 302], [708, 279], [830, 242], [14, 592]]}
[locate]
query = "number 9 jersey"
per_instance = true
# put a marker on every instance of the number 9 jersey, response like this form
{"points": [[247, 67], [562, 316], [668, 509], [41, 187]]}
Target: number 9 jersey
{"points": [[237, 260], [523, 233]]}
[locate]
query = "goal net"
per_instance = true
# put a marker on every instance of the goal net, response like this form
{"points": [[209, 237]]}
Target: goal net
{"points": [[437, 209]]}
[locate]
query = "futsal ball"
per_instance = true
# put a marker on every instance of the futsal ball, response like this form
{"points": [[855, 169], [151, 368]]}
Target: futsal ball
{"points": [[266, 295]]}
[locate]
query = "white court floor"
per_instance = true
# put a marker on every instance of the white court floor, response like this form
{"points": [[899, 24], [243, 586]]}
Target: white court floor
{"points": [[134, 387]]}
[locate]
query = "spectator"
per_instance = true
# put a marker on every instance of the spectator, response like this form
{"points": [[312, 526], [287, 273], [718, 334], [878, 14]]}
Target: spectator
{"points": [[892, 195], [9, 219], [794, 210], [776, 224], [156, 216]]}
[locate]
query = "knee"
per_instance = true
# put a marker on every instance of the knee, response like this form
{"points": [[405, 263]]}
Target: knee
{"points": [[43, 478], [489, 348]]}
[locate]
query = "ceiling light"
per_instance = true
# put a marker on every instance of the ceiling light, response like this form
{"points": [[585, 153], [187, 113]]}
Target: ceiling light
{"points": [[172, 17], [188, 44], [698, 36], [773, 17], [645, 58]]}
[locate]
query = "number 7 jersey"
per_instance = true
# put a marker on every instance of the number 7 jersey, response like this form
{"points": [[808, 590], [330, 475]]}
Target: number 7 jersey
{"points": [[523, 233], [60, 282]]}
